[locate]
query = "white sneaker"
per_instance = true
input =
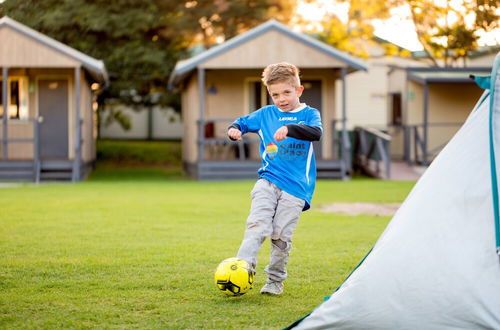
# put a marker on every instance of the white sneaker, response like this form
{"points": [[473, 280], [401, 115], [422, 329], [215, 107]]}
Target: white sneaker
{"points": [[272, 287]]}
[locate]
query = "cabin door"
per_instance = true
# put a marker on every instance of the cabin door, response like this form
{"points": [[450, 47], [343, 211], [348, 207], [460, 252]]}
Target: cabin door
{"points": [[53, 108]]}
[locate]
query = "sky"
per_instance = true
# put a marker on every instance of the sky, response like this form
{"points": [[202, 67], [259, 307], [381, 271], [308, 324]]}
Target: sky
{"points": [[397, 29]]}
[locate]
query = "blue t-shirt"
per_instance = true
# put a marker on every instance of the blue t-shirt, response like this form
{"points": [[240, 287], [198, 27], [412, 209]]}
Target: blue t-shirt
{"points": [[290, 163]]}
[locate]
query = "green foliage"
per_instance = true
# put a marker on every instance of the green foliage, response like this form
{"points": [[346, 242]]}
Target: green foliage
{"points": [[214, 21], [120, 160], [141, 254], [120, 153], [445, 31], [356, 35], [133, 38], [141, 40], [338, 35], [111, 114]]}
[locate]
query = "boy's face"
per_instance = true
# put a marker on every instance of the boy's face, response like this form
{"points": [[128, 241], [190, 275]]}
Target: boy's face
{"points": [[285, 95]]}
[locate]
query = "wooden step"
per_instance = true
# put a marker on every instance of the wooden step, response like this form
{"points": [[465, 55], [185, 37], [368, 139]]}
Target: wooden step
{"points": [[12, 170], [13, 164]]}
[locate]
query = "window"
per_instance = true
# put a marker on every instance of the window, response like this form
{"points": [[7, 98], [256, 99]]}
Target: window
{"points": [[396, 113], [17, 104]]}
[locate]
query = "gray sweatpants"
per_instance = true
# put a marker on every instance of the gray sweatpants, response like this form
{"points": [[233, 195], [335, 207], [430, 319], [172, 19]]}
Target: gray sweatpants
{"points": [[275, 214]]}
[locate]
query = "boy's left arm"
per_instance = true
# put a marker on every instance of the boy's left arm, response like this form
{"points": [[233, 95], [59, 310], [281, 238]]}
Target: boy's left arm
{"points": [[310, 130], [304, 132], [299, 131]]}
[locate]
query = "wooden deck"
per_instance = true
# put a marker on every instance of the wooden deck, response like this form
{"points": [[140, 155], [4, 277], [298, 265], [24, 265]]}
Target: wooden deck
{"points": [[47, 170], [401, 171], [11, 170]]}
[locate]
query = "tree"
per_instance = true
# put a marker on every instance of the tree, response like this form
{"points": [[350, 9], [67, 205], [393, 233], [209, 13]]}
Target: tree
{"points": [[141, 40], [353, 33], [449, 30], [213, 21], [131, 36]]}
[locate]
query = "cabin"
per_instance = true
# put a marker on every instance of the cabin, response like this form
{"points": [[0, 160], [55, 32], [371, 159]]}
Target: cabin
{"points": [[224, 82], [48, 106], [427, 106]]}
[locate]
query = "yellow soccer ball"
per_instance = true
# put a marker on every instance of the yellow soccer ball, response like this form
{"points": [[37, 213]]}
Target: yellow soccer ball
{"points": [[234, 276]]}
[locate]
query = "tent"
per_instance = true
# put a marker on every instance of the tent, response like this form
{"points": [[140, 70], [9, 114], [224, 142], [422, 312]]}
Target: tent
{"points": [[436, 265]]}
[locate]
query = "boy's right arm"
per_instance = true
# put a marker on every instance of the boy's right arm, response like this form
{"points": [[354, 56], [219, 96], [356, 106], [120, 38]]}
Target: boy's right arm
{"points": [[234, 132], [243, 125]]}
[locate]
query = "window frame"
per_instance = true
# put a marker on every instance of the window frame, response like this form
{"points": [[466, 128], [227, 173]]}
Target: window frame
{"points": [[21, 110]]}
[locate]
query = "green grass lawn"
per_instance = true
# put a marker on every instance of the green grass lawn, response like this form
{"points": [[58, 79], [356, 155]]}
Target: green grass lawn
{"points": [[140, 253]]}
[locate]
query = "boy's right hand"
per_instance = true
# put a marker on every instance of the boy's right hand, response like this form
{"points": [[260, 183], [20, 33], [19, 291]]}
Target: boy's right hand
{"points": [[234, 134]]}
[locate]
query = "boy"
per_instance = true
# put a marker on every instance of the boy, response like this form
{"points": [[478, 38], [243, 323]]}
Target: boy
{"points": [[288, 173]]}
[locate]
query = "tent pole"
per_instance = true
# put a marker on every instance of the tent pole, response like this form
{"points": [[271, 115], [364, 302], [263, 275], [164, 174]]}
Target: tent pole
{"points": [[345, 144], [426, 123], [5, 83], [201, 126], [78, 142]]}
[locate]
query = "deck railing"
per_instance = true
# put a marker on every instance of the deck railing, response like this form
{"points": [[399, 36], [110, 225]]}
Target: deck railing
{"points": [[6, 141], [372, 152], [214, 144], [421, 146]]}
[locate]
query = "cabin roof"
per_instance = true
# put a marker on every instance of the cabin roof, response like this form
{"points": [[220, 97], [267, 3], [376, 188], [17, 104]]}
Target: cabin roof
{"points": [[94, 66], [449, 75], [185, 67]]}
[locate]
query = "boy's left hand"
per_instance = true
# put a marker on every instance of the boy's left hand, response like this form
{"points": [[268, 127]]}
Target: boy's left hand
{"points": [[281, 133]]}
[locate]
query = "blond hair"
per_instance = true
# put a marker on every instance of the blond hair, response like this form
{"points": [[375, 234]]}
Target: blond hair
{"points": [[281, 72]]}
